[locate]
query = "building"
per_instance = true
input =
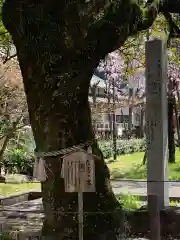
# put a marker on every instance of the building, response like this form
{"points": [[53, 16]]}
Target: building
{"points": [[126, 110]]}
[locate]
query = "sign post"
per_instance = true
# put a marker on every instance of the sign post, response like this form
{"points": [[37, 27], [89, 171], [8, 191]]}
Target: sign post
{"points": [[78, 171], [80, 210]]}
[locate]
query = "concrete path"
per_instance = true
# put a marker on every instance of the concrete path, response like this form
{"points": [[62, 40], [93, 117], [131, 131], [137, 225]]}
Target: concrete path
{"points": [[125, 187], [140, 187], [27, 217]]}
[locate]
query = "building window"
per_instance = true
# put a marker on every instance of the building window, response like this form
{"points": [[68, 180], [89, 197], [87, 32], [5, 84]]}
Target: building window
{"points": [[122, 118], [137, 117], [118, 118], [126, 118], [98, 91], [101, 125]]}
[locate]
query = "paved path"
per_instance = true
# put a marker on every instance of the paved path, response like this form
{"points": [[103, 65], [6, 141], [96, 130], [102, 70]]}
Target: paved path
{"points": [[22, 220], [27, 216], [131, 187], [140, 188]]}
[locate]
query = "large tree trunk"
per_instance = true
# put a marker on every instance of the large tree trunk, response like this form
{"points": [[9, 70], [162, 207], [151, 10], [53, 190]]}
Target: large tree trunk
{"points": [[58, 121], [109, 115], [130, 112], [56, 79]]}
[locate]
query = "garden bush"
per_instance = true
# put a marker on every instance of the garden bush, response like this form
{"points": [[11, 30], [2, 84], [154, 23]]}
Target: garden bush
{"points": [[123, 147], [19, 153], [17, 160]]}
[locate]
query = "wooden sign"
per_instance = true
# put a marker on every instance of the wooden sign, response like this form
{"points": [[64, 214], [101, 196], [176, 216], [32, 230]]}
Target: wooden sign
{"points": [[78, 171]]}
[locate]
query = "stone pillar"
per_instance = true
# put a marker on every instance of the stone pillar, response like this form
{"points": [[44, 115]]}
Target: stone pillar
{"points": [[157, 120]]}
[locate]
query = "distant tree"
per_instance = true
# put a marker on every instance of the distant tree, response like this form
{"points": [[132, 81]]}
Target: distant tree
{"points": [[13, 107]]}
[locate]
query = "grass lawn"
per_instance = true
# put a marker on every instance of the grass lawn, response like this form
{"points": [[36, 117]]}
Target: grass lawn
{"points": [[126, 166], [7, 189], [129, 167], [133, 202]]}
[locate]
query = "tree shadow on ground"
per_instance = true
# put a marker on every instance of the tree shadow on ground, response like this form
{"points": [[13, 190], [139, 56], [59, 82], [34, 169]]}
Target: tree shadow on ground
{"points": [[137, 171]]}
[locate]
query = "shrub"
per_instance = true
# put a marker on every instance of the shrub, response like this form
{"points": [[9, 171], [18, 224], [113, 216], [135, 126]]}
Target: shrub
{"points": [[129, 202], [123, 147], [18, 160]]}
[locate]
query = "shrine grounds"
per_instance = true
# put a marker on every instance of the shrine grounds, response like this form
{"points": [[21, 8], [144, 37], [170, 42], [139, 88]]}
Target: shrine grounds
{"points": [[126, 167], [130, 166]]}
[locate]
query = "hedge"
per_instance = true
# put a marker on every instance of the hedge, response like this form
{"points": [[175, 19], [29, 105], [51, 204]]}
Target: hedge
{"points": [[20, 161], [123, 147]]}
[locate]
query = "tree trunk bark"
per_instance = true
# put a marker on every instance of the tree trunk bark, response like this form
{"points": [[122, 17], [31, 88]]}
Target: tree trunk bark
{"points": [[93, 93], [57, 69], [171, 140], [7, 138], [59, 122], [110, 120], [2, 150], [130, 113], [142, 122]]}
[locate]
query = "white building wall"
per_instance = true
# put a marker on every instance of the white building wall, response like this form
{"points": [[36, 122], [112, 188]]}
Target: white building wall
{"points": [[103, 121], [125, 111]]}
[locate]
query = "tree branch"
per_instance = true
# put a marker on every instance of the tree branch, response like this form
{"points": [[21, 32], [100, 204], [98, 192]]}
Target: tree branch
{"points": [[8, 136], [121, 19], [147, 16], [124, 18]]}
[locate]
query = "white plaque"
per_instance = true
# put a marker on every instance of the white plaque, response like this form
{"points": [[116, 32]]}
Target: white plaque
{"points": [[78, 171]]}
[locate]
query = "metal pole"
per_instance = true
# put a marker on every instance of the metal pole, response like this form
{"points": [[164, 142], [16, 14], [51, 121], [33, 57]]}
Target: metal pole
{"points": [[80, 209]]}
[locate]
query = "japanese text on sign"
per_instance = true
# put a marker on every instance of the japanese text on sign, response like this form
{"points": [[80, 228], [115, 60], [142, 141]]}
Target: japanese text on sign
{"points": [[79, 172]]}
